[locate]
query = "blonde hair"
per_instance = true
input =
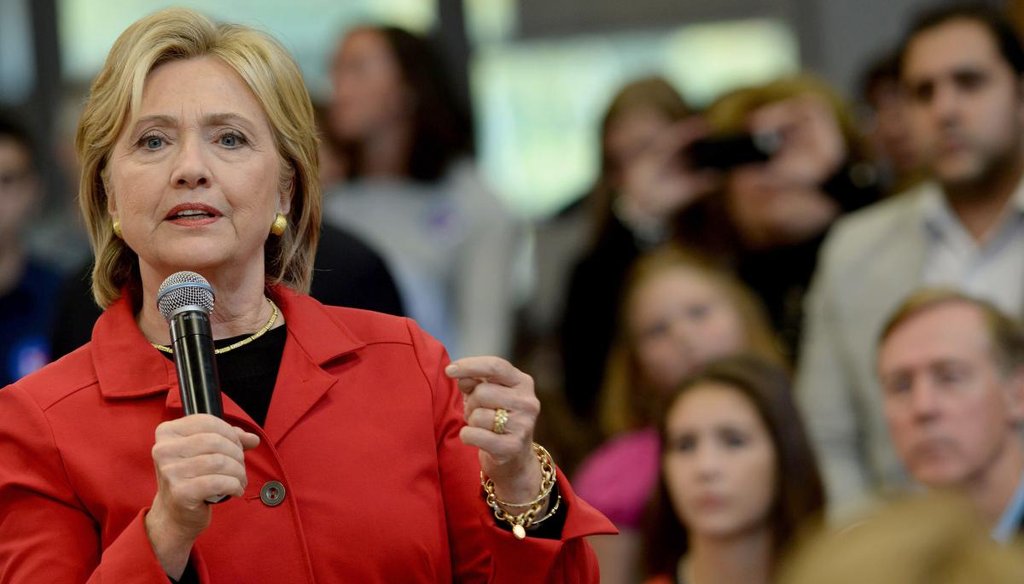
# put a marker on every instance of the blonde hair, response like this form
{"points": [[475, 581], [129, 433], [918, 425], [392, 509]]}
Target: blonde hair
{"points": [[932, 539], [626, 402], [273, 77], [728, 114]]}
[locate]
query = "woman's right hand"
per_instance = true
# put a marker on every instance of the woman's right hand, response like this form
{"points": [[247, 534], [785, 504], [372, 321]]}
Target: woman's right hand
{"points": [[196, 458]]}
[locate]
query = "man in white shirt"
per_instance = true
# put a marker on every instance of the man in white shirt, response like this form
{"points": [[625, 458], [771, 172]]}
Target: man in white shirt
{"points": [[962, 70]]}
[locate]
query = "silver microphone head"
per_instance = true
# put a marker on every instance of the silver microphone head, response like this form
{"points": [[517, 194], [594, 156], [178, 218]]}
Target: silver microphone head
{"points": [[184, 289]]}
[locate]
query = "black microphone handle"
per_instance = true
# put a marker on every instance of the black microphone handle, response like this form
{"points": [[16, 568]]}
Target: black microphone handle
{"points": [[197, 368], [194, 360]]}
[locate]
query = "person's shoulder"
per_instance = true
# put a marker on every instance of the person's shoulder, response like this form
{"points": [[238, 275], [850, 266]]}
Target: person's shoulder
{"points": [[863, 232], [60, 379], [373, 327], [886, 215], [466, 183]]}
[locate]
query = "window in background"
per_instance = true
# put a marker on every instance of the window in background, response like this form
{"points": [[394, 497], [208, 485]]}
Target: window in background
{"points": [[538, 103], [309, 28], [17, 54]]}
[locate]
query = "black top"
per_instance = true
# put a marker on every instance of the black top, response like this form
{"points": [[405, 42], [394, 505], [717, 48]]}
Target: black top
{"points": [[248, 373]]}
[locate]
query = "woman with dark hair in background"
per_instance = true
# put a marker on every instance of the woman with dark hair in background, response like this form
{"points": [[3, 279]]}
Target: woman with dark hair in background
{"points": [[738, 477], [414, 192]]}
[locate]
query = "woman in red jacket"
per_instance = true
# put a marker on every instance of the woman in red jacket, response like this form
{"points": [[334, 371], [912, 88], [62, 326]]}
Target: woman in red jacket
{"points": [[351, 448]]}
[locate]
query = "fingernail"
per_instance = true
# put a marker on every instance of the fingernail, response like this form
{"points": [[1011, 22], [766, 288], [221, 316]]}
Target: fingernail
{"points": [[451, 369]]}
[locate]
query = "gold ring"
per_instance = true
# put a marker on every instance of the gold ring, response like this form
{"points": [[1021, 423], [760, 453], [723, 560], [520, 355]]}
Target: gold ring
{"points": [[500, 419]]}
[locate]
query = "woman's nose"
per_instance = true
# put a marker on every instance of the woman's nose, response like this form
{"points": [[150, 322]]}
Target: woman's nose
{"points": [[190, 166], [707, 461]]}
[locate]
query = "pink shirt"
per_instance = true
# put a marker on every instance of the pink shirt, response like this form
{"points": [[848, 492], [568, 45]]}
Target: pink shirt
{"points": [[619, 477]]}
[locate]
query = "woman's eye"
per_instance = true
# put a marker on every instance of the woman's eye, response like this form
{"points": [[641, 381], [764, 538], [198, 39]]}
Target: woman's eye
{"points": [[654, 331], [684, 443], [151, 142], [698, 311], [232, 140], [733, 439]]}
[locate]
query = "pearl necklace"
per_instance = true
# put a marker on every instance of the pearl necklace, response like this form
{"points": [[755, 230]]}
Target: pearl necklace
{"points": [[274, 312]]}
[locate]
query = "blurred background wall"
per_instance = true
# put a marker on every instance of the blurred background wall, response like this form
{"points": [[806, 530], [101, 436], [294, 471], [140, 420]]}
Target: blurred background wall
{"points": [[539, 72]]}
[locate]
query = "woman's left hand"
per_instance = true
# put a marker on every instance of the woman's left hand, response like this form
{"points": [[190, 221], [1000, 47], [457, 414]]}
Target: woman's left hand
{"points": [[506, 450]]}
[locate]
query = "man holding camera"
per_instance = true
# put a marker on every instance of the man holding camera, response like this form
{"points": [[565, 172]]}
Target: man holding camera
{"points": [[963, 71]]}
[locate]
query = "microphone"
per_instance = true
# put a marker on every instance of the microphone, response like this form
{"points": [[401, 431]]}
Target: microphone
{"points": [[185, 300]]}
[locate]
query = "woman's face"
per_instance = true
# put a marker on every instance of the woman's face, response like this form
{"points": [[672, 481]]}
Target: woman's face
{"points": [[629, 134], [719, 462], [370, 95], [678, 321], [769, 211], [195, 177]]}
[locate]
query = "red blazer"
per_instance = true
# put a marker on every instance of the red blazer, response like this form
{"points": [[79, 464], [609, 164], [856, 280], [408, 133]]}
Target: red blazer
{"points": [[362, 432]]}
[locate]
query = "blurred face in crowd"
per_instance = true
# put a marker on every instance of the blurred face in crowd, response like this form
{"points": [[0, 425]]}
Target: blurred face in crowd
{"points": [[370, 95], [629, 134], [679, 319], [964, 103], [19, 189], [769, 210], [780, 201], [888, 129], [719, 462], [195, 176], [950, 409]]}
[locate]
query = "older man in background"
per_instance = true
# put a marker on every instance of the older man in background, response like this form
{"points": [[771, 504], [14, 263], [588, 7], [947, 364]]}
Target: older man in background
{"points": [[952, 375]]}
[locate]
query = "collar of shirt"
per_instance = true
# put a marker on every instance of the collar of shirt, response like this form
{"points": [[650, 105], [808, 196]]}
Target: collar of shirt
{"points": [[942, 223], [1012, 516]]}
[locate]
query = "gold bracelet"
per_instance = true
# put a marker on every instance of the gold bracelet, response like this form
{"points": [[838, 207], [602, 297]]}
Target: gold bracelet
{"points": [[547, 470], [551, 513], [523, 520]]}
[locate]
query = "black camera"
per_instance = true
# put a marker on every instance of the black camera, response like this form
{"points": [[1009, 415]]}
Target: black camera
{"points": [[732, 150]]}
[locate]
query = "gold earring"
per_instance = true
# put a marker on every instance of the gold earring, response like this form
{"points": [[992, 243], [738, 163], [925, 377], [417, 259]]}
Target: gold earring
{"points": [[116, 225], [279, 225]]}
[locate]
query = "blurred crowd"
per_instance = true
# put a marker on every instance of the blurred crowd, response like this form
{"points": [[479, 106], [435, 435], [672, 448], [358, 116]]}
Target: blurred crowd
{"points": [[768, 318]]}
